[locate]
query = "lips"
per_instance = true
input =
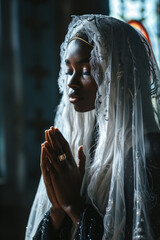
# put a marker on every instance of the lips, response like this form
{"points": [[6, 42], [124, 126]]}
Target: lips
{"points": [[74, 98]]}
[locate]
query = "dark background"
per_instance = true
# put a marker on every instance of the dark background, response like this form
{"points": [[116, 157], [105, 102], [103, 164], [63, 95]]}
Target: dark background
{"points": [[31, 32]]}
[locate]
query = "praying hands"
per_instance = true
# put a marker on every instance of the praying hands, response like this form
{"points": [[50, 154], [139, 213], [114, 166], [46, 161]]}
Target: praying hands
{"points": [[62, 177]]}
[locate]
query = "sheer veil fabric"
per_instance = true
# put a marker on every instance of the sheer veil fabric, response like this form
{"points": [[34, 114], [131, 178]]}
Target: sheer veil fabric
{"points": [[127, 108]]}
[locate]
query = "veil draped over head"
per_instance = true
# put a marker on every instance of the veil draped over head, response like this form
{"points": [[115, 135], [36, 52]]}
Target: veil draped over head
{"points": [[127, 108]]}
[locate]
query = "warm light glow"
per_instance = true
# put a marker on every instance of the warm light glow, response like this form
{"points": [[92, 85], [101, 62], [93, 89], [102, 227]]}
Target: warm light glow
{"points": [[138, 25]]}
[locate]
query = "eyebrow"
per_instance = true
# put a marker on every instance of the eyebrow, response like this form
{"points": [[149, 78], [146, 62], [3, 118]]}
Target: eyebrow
{"points": [[85, 60]]}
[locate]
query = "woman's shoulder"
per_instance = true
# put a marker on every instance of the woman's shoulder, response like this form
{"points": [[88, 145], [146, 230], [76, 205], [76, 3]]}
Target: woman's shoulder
{"points": [[152, 148]]}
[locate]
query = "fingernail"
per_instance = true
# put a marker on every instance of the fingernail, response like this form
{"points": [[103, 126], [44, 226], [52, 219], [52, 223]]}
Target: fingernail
{"points": [[50, 133], [57, 130]]}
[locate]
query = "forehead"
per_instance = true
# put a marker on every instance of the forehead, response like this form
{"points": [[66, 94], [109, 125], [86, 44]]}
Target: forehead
{"points": [[78, 49]]}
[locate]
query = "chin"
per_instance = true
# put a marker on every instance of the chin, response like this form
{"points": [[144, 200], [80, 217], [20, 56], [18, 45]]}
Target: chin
{"points": [[82, 110]]}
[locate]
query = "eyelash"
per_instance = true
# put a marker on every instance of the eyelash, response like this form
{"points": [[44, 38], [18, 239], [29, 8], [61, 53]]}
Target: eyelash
{"points": [[83, 73], [69, 73], [86, 73]]}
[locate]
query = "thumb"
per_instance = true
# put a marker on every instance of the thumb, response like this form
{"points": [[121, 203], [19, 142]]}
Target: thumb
{"points": [[82, 160]]}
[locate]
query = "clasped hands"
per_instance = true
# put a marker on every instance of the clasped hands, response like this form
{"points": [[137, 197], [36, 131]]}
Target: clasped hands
{"points": [[62, 177]]}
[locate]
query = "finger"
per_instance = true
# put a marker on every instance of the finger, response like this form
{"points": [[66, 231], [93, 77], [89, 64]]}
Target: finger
{"points": [[43, 160], [65, 145], [82, 160], [46, 169], [49, 186], [55, 143], [48, 139], [46, 135], [48, 160], [57, 147], [58, 166], [46, 152], [53, 177]]}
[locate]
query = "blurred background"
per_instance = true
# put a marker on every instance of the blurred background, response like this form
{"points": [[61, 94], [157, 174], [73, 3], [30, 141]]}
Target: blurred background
{"points": [[31, 32]]}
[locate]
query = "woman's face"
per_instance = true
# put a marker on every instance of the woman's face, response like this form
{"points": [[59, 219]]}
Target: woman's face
{"points": [[82, 86]]}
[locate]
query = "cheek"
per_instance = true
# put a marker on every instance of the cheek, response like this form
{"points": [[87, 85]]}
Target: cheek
{"points": [[93, 88], [90, 84]]}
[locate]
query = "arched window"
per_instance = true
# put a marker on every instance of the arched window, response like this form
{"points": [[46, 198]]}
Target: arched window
{"points": [[144, 15]]}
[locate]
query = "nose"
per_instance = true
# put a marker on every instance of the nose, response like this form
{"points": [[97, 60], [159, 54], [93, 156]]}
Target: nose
{"points": [[74, 82]]}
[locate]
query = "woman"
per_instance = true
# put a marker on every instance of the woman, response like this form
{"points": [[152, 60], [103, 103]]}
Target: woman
{"points": [[110, 104]]}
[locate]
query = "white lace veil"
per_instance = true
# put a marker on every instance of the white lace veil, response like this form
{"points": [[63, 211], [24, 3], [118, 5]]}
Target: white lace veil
{"points": [[127, 107]]}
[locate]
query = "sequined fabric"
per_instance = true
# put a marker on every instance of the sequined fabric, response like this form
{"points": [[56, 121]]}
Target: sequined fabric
{"points": [[44, 230], [90, 227]]}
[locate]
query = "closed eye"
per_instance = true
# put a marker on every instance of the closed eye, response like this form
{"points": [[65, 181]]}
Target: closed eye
{"points": [[86, 73], [69, 73]]}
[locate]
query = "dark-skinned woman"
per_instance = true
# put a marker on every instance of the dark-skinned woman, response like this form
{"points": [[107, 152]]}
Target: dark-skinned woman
{"points": [[100, 162]]}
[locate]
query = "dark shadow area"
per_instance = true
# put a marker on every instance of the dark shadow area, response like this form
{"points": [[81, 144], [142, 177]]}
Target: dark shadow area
{"points": [[31, 32]]}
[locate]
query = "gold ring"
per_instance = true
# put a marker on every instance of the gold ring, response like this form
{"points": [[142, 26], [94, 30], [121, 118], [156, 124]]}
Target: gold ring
{"points": [[62, 157]]}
